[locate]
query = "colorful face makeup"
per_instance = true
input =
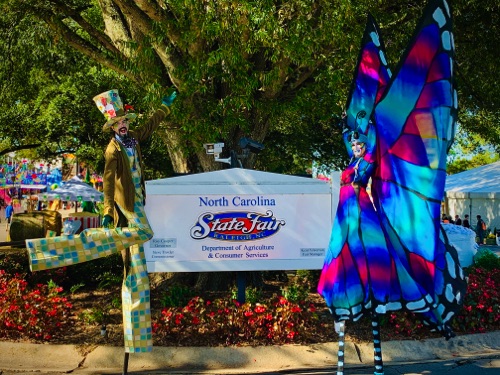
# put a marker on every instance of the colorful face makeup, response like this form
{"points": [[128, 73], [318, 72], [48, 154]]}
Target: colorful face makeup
{"points": [[358, 149], [121, 128]]}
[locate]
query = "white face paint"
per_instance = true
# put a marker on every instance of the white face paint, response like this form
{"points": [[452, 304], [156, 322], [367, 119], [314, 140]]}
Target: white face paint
{"points": [[121, 127], [358, 149]]}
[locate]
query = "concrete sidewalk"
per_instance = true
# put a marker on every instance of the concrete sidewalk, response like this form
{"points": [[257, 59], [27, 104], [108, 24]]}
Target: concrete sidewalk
{"points": [[19, 357]]}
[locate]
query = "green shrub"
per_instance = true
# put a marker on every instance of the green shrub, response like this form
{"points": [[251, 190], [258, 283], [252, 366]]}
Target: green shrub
{"points": [[98, 272], [108, 279], [252, 295], [295, 292], [94, 316], [309, 278], [76, 287], [486, 259], [176, 296]]}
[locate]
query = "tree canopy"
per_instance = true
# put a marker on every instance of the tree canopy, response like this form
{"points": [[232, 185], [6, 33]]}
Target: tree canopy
{"points": [[274, 71]]}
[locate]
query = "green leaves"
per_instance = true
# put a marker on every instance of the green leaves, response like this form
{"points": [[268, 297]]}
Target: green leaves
{"points": [[275, 71]]}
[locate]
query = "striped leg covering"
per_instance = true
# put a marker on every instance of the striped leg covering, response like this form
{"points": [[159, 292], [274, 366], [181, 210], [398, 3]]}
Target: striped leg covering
{"points": [[377, 348], [340, 360]]}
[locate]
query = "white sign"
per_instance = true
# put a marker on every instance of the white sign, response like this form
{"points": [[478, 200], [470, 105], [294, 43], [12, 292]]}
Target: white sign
{"points": [[211, 232], [236, 231]]}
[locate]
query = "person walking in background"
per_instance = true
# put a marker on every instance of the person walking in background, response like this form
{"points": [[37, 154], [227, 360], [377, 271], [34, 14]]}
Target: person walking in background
{"points": [[9, 210], [466, 222], [458, 221], [480, 229]]}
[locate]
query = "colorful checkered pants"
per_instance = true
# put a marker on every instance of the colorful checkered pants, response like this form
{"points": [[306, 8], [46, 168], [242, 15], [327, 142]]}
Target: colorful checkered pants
{"points": [[54, 252]]}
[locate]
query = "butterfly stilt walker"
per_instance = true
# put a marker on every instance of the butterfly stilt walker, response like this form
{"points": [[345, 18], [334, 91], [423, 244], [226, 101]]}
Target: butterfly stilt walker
{"points": [[387, 250]]}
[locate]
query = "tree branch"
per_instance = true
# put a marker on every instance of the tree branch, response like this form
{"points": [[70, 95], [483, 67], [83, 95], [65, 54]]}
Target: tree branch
{"points": [[103, 39], [170, 59], [18, 148], [304, 76], [84, 47]]}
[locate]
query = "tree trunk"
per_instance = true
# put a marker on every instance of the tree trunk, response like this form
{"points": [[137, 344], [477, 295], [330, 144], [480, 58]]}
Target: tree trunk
{"points": [[172, 141]]}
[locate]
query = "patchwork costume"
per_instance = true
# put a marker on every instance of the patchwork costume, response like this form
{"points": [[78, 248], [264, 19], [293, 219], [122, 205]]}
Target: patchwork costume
{"points": [[124, 197]]}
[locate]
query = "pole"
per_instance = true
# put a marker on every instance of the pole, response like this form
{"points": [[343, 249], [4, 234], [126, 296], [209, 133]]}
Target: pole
{"points": [[125, 364], [470, 208], [241, 282], [240, 275]]}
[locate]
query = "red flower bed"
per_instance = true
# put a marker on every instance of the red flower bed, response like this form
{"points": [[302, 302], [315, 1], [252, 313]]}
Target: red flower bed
{"points": [[37, 313], [276, 322], [480, 312], [43, 313]]}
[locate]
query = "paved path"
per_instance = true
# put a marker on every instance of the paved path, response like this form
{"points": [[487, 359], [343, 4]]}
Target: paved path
{"points": [[284, 359], [3, 231]]}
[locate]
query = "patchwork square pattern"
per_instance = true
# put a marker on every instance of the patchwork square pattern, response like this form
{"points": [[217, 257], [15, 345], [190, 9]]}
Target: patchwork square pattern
{"points": [[94, 243]]}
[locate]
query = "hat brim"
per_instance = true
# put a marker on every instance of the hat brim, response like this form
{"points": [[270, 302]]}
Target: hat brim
{"points": [[129, 116]]}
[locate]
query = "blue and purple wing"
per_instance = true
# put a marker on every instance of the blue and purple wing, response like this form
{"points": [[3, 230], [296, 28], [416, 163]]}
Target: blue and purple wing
{"points": [[415, 122], [371, 77], [345, 281]]}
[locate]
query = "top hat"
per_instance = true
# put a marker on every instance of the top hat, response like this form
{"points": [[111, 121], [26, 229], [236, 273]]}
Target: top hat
{"points": [[111, 106]]}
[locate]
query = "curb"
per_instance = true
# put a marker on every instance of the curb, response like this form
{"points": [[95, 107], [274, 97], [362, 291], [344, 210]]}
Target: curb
{"points": [[238, 360]]}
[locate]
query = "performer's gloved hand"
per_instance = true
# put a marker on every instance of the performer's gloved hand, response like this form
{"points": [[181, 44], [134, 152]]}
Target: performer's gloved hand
{"points": [[343, 124], [168, 100], [107, 221]]}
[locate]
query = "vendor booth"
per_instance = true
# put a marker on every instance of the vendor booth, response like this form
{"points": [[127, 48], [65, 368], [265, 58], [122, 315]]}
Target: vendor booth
{"points": [[475, 192], [73, 190], [76, 190]]}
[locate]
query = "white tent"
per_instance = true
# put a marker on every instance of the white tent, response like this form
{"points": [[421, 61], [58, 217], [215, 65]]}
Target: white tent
{"points": [[73, 190], [475, 192]]}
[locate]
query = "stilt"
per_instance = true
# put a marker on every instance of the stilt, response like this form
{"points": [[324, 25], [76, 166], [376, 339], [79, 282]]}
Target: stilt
{"points": [[377, 348], [126, 255], [340, 361], [125, 364]]}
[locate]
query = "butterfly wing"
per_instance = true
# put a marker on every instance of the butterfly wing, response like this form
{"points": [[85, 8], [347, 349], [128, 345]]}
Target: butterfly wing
{"points": [[343, 282], [369, 82], [415, 122]]}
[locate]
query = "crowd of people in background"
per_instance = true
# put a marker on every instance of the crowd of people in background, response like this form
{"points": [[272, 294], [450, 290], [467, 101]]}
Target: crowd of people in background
{"points": [[480, 228]]}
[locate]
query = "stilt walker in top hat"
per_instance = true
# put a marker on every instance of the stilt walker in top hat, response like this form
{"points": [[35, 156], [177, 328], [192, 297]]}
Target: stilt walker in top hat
{"points": [[124, 197]]}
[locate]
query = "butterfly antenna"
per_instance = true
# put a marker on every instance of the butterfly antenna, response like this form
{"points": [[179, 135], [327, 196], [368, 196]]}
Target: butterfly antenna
{"points": [[361, 114]]}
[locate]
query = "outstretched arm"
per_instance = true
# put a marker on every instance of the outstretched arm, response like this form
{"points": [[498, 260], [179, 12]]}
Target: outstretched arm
{"points": [[147, 129]]}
